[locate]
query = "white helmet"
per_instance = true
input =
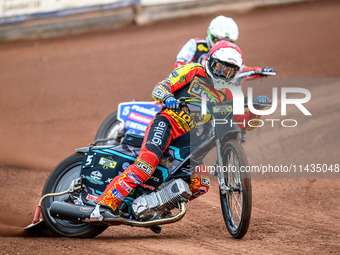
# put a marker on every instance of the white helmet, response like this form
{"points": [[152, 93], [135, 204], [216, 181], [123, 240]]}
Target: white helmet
{"points": [[222, 28], [224, 61]]}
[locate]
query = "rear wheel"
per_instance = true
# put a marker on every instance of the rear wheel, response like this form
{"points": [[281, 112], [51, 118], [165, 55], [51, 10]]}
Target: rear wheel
{"points": [[110, 127], [58, 181], [236, 201]]}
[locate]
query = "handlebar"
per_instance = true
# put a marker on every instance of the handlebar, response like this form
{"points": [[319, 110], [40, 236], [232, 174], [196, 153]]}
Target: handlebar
{"points": [[225, 107], [261, 105], [183, 101], [266, 73]]}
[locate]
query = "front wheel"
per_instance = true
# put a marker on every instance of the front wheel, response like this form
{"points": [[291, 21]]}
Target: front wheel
{"points": [[236, 199], [58, 181]]}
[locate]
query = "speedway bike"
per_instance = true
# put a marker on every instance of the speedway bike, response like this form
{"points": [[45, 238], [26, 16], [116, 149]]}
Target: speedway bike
{"points": [[67, 203]]}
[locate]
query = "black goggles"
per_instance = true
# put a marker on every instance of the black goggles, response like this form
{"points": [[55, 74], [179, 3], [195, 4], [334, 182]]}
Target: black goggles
{"points": [[224, 70]]}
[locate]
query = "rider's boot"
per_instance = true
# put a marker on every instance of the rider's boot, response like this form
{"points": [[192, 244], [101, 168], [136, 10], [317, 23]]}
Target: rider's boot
{"points": [[101, 213]]}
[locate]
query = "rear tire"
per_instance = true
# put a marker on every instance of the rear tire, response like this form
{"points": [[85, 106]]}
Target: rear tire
{"points": [[59, 180], [237, 202]]}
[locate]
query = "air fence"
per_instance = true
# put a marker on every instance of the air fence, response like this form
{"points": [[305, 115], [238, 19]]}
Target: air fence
{"points": [[45, 18]]}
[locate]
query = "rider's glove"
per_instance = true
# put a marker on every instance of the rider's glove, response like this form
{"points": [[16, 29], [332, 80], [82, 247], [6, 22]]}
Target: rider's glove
{"points": [[268, 71], [261, 100], [171, 103]]}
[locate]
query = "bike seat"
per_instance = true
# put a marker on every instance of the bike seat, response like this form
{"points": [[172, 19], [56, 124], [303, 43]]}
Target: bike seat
{"points": [[133, 140]]}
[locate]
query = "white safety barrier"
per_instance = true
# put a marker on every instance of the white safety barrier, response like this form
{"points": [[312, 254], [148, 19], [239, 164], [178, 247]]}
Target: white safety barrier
{"points": [[160, 2], [42, 18], [13, 11]]}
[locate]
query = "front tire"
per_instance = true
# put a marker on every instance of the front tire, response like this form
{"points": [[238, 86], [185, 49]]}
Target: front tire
{"points": [[236, 203], [59, 180]]}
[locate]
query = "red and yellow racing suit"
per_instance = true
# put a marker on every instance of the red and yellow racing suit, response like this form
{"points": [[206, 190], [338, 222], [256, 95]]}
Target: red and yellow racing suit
{"points": [[186, 81]]}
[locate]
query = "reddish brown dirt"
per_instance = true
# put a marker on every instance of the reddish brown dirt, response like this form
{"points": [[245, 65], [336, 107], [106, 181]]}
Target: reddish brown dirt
{"points": [[56, 92]]}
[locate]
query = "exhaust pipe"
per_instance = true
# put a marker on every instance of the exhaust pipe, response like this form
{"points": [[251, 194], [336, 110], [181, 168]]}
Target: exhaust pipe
{"points": [[71, 212], [82, 214]]}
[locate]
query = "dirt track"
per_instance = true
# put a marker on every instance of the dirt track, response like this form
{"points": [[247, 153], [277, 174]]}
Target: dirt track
{"points": [[55, 93]]}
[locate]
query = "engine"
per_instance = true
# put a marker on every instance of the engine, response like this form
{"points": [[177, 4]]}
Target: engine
{"points": [[150, 206]]}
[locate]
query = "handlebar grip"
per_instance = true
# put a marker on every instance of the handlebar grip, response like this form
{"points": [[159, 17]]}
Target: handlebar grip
{"points": [[269, 73], [263, 105], [181, 102]]}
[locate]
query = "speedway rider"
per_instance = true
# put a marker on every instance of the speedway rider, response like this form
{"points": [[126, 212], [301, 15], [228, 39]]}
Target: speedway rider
{"points": [[220, 28], [224, 61]]}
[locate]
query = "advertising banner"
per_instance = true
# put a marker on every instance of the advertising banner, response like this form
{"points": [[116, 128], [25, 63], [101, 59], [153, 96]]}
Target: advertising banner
{"points": [[21, 10], [136, 116]]}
